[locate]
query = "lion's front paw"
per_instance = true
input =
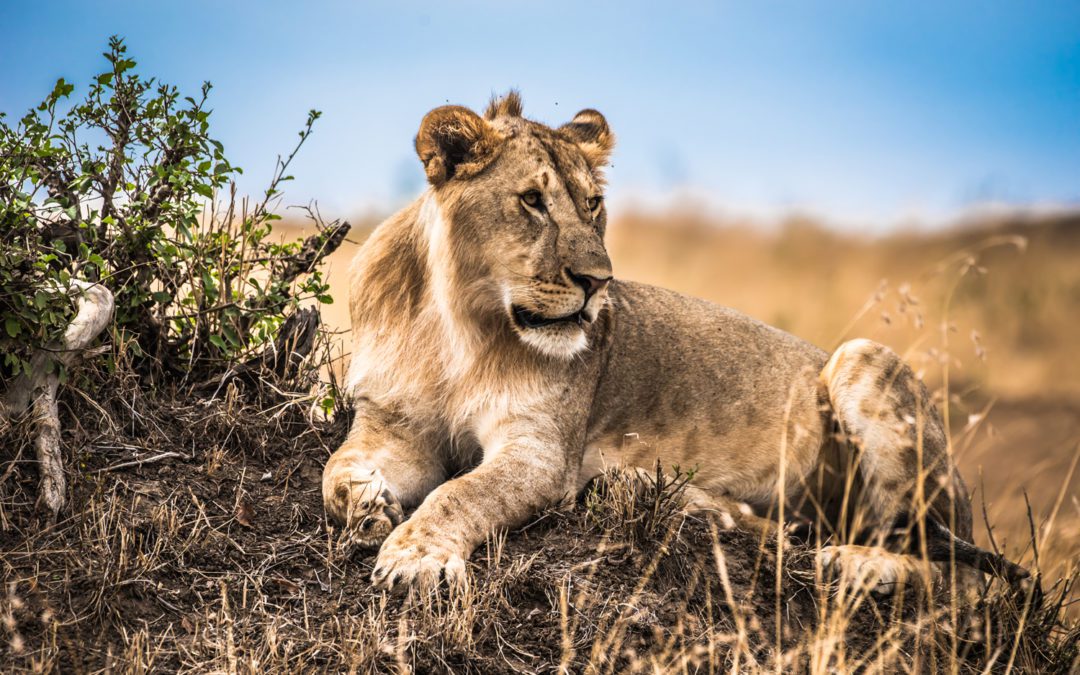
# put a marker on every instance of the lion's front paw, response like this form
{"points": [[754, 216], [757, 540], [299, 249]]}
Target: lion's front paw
{"points": [[361, 500], [413, 556], [875, 569]]}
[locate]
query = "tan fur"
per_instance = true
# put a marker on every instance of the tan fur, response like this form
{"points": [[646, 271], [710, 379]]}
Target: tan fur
{"points": [[457, 371]]}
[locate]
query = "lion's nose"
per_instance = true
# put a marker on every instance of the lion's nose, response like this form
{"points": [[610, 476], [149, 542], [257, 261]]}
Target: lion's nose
{"points": [[590, 284]]}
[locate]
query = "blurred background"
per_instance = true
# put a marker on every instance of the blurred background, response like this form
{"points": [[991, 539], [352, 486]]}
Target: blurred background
{"points": [[837, 169]]}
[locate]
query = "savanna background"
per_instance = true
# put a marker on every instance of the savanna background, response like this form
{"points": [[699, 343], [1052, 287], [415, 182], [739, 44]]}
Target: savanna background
{"points": [[837, 169]]}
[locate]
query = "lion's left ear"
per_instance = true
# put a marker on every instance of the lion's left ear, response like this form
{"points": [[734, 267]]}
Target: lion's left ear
{"points": [[592, 134], [455, 142]]}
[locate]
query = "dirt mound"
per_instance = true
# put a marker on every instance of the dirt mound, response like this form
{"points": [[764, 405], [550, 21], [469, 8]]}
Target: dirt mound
{"points": [[196, 542]]}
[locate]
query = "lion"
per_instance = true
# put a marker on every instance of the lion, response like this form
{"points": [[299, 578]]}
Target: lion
{"points": [[498, 367]]}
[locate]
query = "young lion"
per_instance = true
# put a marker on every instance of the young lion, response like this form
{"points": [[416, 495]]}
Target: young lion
{"points": [[490, 336]]}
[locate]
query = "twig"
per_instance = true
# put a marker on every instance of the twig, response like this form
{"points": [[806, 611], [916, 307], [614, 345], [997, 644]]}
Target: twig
{"points": [[1034, 532], [986, 518], [140, 462]]}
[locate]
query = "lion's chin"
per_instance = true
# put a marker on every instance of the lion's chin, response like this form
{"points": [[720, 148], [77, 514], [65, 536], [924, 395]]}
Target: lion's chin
{"points": [[561, 340]]}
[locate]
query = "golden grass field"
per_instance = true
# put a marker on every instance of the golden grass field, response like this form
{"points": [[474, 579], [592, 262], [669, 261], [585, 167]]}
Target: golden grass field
{"points": [[992, 304]]}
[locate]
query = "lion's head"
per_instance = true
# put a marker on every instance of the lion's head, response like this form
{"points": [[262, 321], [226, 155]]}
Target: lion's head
{"points": [[516, 217]]}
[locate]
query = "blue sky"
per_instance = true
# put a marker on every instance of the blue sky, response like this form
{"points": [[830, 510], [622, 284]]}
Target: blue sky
{"points": [[869, 113]]}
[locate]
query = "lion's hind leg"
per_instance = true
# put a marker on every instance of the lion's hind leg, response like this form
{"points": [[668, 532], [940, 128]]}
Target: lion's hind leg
{"points": [[896, 436], [910, 490]]}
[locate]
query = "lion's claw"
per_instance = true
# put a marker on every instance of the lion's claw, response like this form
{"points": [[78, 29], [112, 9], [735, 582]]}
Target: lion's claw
{"points": [[366, 506], [409, 558]]}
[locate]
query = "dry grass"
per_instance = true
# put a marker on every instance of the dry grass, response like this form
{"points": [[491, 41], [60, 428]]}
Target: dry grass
{"points": [[217, 558]]}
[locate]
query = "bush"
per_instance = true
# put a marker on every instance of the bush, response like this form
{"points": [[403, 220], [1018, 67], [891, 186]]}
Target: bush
{"points": [[128, 189]]}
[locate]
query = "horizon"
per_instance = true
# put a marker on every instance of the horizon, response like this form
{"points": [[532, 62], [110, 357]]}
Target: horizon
{"points": [[860, 117]]}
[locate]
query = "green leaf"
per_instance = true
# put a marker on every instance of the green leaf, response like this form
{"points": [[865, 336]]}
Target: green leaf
{"points": [[327, 405], [232, 337], [62, 89], [12, 327], [218, 342]]}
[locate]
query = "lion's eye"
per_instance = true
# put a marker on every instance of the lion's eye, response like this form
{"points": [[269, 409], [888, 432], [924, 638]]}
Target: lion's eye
{"points": [[595, 202], [532, 198]]}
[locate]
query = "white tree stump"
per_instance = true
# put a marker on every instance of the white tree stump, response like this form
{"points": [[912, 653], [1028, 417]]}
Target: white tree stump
{"points": [[94, 309]]}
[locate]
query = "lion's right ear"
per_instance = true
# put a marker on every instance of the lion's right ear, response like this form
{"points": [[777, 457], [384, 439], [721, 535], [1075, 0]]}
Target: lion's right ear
{"points": [[593, 136], [455, 142]]}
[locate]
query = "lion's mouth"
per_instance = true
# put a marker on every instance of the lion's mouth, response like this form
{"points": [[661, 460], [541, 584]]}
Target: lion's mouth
{"points": [[526, 319]]}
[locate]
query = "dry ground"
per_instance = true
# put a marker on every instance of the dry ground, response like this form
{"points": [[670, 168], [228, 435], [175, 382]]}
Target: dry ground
{"points": [[217, 558]]}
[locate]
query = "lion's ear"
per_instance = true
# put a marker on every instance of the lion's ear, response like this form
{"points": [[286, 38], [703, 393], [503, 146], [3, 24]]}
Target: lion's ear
{"points": [[592, 134], [454, 142]]}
